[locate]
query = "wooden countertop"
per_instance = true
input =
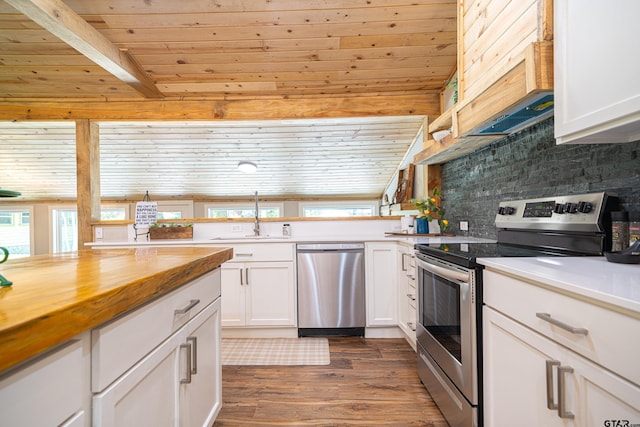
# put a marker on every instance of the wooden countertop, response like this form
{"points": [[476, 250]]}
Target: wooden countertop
{"points": [[56, 297]]}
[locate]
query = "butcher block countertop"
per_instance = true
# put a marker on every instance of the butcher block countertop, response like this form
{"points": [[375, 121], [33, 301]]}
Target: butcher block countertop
{"points": [[57, 296]]}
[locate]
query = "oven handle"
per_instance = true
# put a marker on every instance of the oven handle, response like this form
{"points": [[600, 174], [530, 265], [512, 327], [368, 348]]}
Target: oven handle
{"points": [[453, 275]]}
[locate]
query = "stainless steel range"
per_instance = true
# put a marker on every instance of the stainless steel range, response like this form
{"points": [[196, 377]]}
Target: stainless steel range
{"points": [[450, 289]]}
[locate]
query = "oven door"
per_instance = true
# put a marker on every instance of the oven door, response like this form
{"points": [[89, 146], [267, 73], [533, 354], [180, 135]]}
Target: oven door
{"points": [[447, 321]]}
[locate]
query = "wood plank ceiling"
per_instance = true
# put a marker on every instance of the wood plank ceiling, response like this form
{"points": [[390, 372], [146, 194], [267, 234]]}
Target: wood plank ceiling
{"points": [[371, 68]]}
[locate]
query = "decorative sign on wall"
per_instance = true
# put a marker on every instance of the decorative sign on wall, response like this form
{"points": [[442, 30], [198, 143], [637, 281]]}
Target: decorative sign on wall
{"points": [[146, 213]]}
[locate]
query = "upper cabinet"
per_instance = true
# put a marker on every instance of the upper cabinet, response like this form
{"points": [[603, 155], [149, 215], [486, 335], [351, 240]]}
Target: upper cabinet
{"points": [[505, 75], [597, 70]]}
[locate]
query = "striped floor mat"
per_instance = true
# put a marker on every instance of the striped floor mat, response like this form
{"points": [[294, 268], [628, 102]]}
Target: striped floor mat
{"points": [[275, 351]]}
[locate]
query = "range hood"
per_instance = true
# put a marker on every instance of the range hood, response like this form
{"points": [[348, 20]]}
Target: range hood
{"points": [[521, 115]]}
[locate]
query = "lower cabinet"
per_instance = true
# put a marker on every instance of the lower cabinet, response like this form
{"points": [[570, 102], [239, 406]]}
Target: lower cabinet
{"points": [[407, 293], [381, 284], [529, 380], [51, 390], [259, 286], [177, 384], [258, 294]]}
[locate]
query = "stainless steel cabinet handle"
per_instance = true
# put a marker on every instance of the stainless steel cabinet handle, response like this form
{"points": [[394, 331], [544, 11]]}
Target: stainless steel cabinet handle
{"points": [[246, 276], [562, 404], [244, 254], [194, 352], [549, 367], [187, 380], [185, 310], [241, 281], [413, 297], [547, 318], [404, 266]]}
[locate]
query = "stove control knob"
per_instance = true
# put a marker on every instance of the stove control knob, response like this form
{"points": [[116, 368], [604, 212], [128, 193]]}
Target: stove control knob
{"points": [[508, 210], [571, 208], [585, 207], [501, 210], [559, 208]]}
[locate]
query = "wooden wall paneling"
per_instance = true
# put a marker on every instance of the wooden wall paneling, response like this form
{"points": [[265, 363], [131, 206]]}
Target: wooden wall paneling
{"points": [[88, 178]]}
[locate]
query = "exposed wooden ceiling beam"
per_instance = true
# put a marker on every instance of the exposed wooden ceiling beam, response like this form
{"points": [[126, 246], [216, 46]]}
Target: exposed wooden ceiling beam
{"points": [[61, 21], [262, 109]]}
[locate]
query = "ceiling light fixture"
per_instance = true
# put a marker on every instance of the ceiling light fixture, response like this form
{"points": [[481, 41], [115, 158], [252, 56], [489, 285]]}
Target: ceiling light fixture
{"points": [[247, 167]]}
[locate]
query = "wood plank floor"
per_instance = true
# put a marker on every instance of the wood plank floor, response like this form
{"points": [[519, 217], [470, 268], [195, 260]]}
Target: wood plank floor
{"points": [[370, 382]]}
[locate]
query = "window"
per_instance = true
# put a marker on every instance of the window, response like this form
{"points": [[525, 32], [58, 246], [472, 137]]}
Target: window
{"points": [[64, 226], [233, 210], [15, 230], [112, 212], [175, 209], [337, 209]]}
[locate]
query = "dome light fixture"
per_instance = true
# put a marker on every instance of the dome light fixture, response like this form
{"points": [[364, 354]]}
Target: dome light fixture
{"points": [[247, 167]]}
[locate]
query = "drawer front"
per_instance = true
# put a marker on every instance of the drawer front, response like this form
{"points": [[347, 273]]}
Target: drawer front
{"points": [[263, 252], [48, 390], [611, 336], [119, 344]]}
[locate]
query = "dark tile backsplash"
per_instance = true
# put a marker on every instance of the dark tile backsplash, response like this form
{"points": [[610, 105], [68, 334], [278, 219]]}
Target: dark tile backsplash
{"points": [[529, 164]]}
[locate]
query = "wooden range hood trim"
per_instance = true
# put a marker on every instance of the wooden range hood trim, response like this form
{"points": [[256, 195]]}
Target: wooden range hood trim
{"points": [[251, 109], [531, 74]]}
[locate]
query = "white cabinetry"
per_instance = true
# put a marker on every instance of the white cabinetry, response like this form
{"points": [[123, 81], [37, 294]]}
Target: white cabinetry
{"points": [[407, 293], [381, 284], [550, 359], [177, 383], [259, 287], [596, 68], [50, 390]]}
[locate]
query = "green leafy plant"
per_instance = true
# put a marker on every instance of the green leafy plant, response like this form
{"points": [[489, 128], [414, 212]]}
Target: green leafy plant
{"points": [[431, 208], [170, 225]]}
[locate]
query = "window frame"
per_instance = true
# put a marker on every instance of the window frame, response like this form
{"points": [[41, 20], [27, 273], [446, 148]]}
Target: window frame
{"points": [[244, 206], [20, 209], [374, 205]]}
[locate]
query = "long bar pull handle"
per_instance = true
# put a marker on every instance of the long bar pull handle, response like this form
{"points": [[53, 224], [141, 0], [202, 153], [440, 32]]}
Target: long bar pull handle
{"points": [[562, 404], [404, 266], [187, 380], [246, 276], [194, 352], [549, 367], [185, 310], [547, 318], [244, 254], [241, 280]]}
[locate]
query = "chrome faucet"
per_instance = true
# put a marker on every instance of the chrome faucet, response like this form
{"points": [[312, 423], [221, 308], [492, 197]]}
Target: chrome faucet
{"points": [[256, 227]]}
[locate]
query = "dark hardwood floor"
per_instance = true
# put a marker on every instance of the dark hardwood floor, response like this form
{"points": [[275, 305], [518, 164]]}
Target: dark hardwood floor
{"points": [[370, 382]]}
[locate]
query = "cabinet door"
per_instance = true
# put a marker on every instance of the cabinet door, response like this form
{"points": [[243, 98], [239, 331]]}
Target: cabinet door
{"points": [[50, 390], [270, 294], [381, 284], [516, 377], [596, 68], [403, 288], [146, 394], [201, 399], [233, 294]]}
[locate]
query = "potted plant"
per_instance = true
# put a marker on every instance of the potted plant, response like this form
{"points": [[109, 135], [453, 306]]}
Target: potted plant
{"points": [[430, 209], [170, 231]]}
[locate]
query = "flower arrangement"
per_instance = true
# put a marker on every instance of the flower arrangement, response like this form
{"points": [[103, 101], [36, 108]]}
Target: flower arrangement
{"points": [[431, 208]]}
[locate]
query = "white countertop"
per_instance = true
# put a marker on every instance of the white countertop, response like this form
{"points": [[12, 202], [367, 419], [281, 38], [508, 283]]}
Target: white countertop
{"points": [[408, 240], [591, 277]]}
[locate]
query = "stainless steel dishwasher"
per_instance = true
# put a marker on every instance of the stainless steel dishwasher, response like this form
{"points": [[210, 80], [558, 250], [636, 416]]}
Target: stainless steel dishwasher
{"points": [[331, 289]]}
